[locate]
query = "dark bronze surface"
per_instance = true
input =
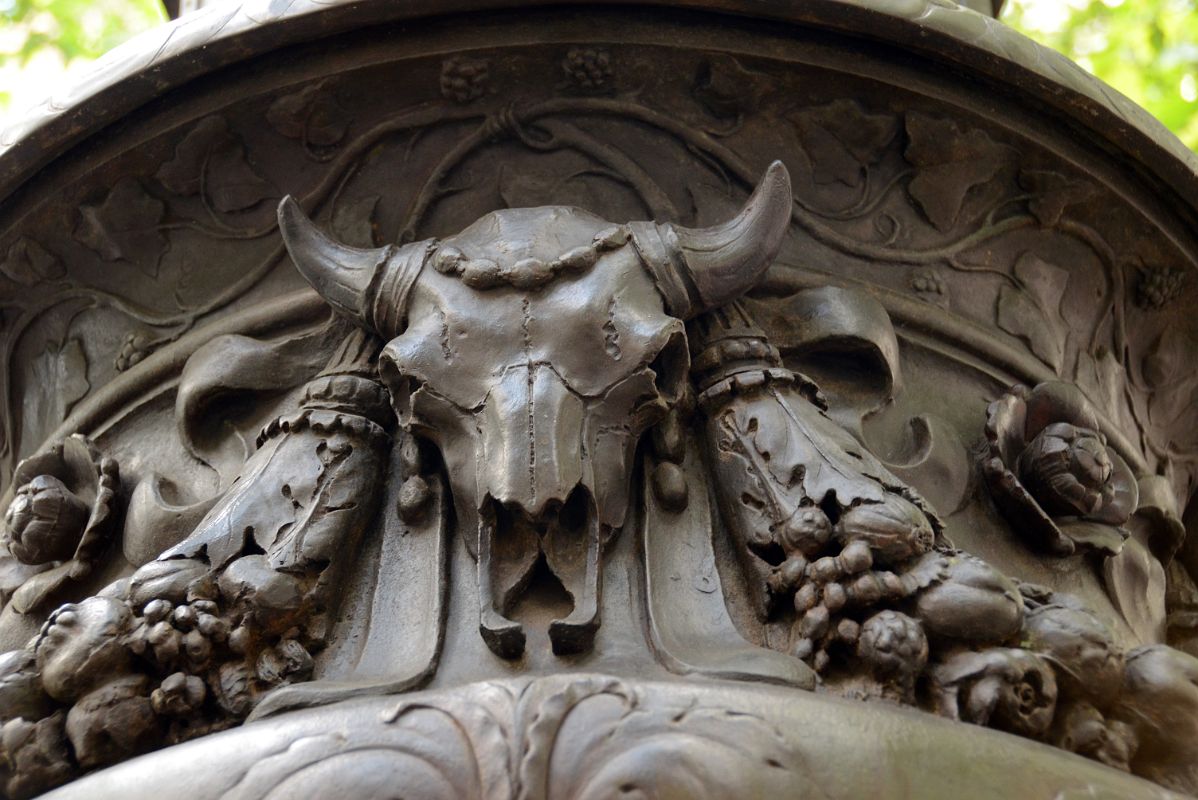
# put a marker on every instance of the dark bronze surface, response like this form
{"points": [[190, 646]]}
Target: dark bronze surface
{"points": [[726, 398]]}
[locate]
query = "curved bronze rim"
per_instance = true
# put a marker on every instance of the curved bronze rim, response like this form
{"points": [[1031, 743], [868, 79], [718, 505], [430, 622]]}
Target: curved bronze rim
{"points": [[166, 58]]}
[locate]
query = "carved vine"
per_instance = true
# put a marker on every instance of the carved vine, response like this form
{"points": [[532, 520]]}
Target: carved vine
{"points": [[843, 141]]}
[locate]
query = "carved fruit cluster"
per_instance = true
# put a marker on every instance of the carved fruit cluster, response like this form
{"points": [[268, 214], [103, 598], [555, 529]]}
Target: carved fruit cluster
{"points": [[1158, 286], [930, 285], [172, 653], [464, 79], [588, 68]]}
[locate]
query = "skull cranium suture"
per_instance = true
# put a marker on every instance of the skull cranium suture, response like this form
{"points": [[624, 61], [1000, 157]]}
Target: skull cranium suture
{"points": [[534, 349]]}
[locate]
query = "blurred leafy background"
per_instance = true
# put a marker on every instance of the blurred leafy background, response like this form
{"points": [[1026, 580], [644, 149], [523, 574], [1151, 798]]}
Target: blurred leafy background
{"points": [[1147, 49]]}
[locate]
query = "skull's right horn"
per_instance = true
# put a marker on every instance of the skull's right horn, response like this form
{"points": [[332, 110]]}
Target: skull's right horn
{"points": [[370, 286], [698, 269]]}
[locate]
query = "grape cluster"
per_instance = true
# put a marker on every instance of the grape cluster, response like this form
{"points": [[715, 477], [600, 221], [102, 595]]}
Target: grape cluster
{"points": [[588, 68], [1159, 285], [464, 79], [833, 573], [181, 635], [930, 285], [134, 347]]}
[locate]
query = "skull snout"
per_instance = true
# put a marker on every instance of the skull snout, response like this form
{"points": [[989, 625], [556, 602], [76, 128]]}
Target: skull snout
{"points": [[531, 441]]}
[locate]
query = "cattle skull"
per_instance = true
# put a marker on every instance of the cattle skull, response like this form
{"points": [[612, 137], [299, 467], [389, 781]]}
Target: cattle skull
{"points": [[534, 349]]}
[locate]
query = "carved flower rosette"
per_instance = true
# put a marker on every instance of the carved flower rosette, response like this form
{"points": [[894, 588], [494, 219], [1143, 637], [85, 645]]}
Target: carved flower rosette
{"points": [[59, 520], [1052, 474]]}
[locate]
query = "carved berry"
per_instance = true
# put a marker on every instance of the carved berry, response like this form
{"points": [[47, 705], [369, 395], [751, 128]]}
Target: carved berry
{"points": [[179, 695], [156, 610], [806, 597], [807, 530]]}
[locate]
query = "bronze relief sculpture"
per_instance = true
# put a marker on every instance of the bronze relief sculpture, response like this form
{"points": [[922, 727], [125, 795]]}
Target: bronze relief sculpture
{"points": [[769, 418]]}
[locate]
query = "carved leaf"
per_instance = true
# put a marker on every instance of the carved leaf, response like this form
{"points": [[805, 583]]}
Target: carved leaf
{"points": [[1136, 582], [56, 380], [1103, 379], [212, 159], [1164, 364], [799, 450], [353, 221], [124, 227], [841, 140], [28, 263], [1098, 536], [949, 163], [13, 574], [1166, 372], [1053, 194], [311, 115], [1033, 313], [725, 88], [60, 377], [1166, 407]]}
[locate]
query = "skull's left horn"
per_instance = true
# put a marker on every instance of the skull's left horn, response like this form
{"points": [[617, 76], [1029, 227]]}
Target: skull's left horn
{"points": [[370, 286], [698, 269]]}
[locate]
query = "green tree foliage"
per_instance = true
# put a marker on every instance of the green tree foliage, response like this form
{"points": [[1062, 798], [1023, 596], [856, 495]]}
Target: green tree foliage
{"points": [[1147, 49], [74, 29]]}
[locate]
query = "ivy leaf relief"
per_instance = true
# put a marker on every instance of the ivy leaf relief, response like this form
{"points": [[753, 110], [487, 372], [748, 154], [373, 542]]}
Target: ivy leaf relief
{"points": [[28, 263], [949, 162], [311, 115], [57, 380], [1167, 372], [212, 160], [1053, 194], [842, 140], [124, 226], [727, 89], [1033, 312]]}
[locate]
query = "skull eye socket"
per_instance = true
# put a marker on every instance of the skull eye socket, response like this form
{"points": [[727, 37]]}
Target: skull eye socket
{"points": [[401, 386], [670, 367]]}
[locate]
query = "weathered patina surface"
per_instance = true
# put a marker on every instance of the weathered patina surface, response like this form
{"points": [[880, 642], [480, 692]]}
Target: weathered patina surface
{"points": [[699, 398]]}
